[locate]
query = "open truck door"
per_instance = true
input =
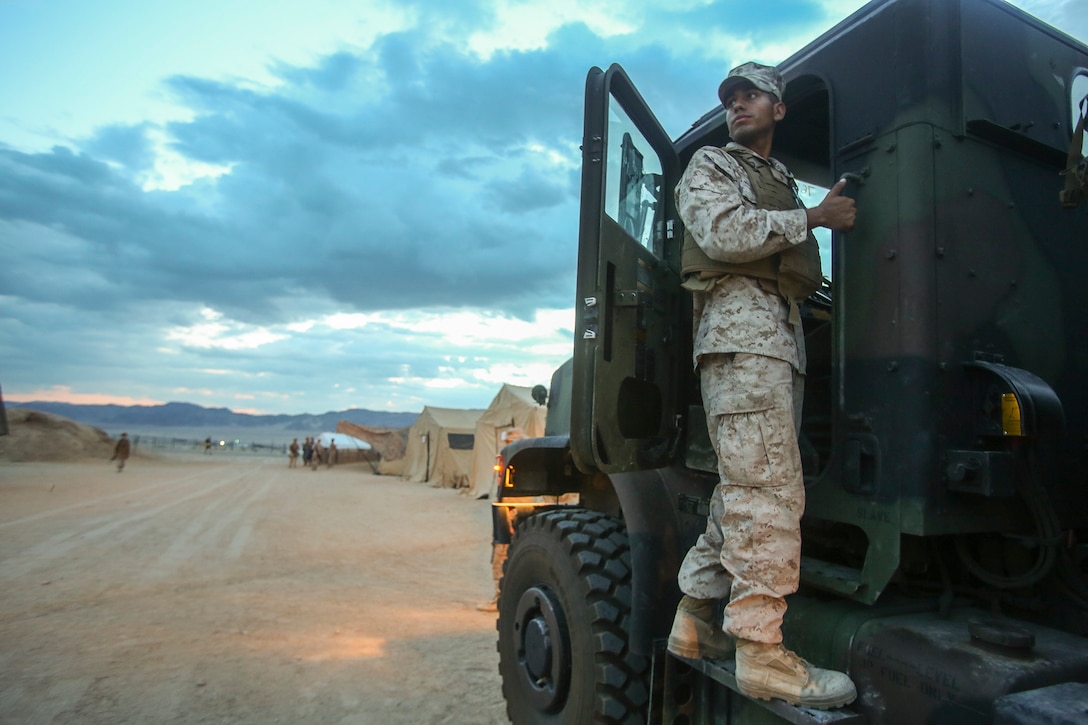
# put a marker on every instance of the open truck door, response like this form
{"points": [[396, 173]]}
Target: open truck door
{"points": [[632, 359]]}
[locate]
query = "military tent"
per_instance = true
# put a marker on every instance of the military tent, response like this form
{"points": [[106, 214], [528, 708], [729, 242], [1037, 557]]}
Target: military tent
{"points": [[513, 414], [388, 442], [439, 448]]}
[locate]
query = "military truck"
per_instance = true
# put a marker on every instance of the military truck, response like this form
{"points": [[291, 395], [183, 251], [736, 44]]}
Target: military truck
{"points": [[945, 426]]}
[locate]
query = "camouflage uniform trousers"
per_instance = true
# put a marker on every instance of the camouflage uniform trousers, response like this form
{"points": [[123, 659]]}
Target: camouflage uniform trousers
{"points": [[751, 551]]}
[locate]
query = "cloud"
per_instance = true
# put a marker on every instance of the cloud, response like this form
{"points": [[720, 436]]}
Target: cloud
{"points": [[395, 213], [1068, 16], [128, 146], [368, 203]]}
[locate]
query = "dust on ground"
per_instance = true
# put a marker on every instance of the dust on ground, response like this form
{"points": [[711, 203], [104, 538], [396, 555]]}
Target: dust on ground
{"points": [[217, 589]]}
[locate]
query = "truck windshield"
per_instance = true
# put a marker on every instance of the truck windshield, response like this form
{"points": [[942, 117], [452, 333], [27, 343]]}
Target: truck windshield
{"points": [[812, 195]]}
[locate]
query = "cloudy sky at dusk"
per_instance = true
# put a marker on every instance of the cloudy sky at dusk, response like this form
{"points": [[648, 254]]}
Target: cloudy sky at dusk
{"points": [[291, 207]]}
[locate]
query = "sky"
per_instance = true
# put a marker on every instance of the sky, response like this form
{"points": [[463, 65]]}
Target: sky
{"points": [[297, 207]]}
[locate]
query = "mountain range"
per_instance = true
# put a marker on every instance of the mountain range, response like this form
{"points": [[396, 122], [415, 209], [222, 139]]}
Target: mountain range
{"points": [[187, 415]]}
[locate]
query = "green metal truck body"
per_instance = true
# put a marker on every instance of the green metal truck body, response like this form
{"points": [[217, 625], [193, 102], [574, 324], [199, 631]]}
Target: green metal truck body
{"points": [[945, 428]]}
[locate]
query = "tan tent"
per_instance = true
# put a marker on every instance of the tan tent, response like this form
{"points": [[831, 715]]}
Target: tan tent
{"points": [[513, 414], [439, 448], [389, 442]]}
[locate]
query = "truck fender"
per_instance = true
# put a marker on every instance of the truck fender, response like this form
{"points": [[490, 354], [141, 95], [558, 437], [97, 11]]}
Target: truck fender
{"points": [[1041, 414], [657, 549]]}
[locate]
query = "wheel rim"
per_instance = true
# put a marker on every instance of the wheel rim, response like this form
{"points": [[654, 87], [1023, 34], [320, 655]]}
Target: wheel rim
{"points": [[543, 654]]}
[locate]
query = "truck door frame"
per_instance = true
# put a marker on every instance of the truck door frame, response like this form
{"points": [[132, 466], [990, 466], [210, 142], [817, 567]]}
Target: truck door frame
{"points": [[632, 360]]}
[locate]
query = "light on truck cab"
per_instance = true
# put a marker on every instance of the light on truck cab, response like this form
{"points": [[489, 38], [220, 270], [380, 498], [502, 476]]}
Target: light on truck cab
{"points": [[1010, 415]]}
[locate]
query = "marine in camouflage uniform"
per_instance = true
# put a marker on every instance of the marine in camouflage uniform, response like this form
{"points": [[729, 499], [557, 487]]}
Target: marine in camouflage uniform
{"points": [[749, 351], [751, 366]]}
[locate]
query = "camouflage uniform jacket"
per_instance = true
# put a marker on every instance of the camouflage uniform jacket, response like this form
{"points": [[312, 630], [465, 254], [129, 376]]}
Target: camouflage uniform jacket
{"points": [[717, 204]]}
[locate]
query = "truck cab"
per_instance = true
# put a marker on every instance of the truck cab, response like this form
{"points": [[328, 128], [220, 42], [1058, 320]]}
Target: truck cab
{"points": [[945, 426]]}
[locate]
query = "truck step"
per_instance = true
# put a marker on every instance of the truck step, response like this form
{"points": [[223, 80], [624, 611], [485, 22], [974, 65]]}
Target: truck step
{"points": [[724, 673]]}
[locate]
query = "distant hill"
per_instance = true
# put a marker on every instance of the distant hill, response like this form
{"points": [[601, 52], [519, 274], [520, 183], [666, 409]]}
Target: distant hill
{"points": [[37, 435], [187, 415]]}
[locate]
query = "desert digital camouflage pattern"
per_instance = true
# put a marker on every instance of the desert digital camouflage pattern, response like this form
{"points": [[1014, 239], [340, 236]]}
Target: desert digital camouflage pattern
{"points": [[764, 77], [754, 524], [748, 354]]}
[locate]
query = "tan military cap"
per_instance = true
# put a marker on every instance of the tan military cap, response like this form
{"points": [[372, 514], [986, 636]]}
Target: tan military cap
{"points": [[764, 77]]}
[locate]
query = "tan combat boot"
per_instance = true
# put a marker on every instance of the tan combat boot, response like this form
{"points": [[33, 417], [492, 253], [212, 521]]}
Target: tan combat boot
{"points": [[696, 633], [770, 670]]}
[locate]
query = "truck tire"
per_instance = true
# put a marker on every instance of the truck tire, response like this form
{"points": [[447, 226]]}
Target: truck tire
{"points": [[563, 612]]}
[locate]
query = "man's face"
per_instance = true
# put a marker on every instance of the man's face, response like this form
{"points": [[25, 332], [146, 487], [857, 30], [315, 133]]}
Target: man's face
{"points": [[751, 114]]}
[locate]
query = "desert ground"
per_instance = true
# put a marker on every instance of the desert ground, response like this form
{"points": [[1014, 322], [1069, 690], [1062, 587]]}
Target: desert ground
{"points": [[220, 589]]}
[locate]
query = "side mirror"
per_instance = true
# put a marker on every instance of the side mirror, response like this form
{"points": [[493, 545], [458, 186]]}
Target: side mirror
{"points": [[540, 394]]}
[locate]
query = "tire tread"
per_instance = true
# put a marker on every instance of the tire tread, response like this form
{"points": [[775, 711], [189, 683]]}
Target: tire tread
{"points": [[599, 552]]}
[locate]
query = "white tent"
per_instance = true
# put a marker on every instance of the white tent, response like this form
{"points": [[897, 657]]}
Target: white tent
{"points": [[348, 448], [439, 448], [344, 442], [512, 415]]}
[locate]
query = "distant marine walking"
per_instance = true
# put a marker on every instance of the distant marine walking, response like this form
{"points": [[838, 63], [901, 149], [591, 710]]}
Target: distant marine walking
{"points": [[121, 451]]}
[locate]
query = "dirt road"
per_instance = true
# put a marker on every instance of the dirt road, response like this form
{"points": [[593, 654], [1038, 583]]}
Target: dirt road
{"points": [[218, 590]]}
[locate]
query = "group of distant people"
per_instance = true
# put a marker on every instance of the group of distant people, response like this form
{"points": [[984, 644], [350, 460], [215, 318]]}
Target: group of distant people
{"points": [[313, 453]]}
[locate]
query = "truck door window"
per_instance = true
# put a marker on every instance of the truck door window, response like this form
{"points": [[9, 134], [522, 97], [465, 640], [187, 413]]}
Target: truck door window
{"points": [[1080, 90], [632, 178]]}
